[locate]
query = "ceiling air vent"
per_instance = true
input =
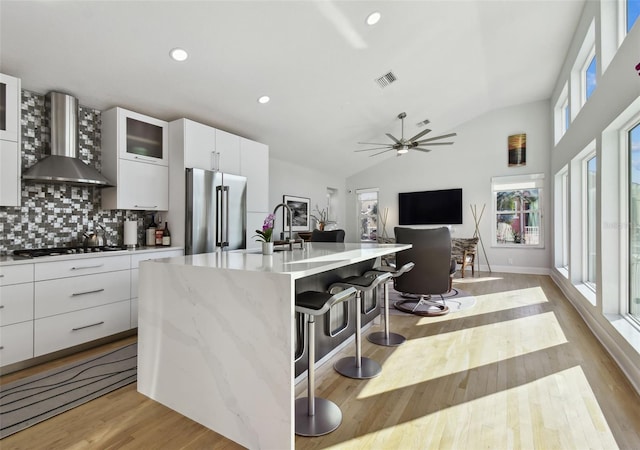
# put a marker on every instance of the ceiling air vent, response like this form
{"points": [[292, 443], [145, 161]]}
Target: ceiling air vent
{"points": [[386, 79]]}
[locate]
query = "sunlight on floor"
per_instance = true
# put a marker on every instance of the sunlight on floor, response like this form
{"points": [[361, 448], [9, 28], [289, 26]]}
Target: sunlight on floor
{"points": [[555, 411], [447, 353], [475, 279], [488, 303]]}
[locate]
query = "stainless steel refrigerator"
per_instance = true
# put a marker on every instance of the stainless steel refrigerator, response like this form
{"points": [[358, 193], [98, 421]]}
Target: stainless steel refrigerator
{"points": [[216, 211]]}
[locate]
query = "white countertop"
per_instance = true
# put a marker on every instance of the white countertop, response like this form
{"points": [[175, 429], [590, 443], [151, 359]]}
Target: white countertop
{"points": [[316, 257], [13, 260]]}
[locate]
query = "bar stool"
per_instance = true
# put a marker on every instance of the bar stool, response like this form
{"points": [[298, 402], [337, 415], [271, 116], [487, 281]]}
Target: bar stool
{"points": [[316, 416], [359, 367], [386, 337]]}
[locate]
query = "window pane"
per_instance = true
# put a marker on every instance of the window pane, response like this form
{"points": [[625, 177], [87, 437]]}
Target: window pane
{"points": [[567, 119], [591, 221], [590, 77], [633, 11], [565, 220], [518, 217], [368, 215], [634, 221]]}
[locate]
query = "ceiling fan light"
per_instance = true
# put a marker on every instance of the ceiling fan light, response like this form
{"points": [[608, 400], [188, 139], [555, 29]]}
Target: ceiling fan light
{"points": [[403, 150]]}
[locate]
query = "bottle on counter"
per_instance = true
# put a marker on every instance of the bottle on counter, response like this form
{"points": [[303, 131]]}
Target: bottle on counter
{"points": [[159, 232], [166, 235], [151, 232]]}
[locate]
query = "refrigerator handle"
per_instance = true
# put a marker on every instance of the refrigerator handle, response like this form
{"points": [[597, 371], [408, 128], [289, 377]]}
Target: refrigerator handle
{"points": [[218, 214], [226, 219]]}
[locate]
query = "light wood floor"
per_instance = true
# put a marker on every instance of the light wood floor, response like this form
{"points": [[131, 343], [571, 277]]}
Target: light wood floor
{"points": [[519, 370]]}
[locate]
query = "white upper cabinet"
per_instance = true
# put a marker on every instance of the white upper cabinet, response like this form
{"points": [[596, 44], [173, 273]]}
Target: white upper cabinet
{"points": [[254, 164], [9, 141], [196, 141], [9, 108], [135, 155], [228, 149]]}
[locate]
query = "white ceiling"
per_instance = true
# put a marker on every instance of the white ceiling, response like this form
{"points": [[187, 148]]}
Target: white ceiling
{"points": [[317, 60]]}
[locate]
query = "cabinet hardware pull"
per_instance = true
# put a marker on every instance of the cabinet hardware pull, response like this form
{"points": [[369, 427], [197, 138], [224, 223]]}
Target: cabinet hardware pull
{"points": [[75, 294], [87, 326], [87, 267], [1, 275], [1, 347], [1, 306], [146, 206]]}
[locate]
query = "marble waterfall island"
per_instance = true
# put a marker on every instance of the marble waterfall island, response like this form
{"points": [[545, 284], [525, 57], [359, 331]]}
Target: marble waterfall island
{"points": [[216, 334]]}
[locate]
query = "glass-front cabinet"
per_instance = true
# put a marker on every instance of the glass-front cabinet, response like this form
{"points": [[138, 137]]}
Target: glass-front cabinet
{"points": [[9, 108], [142, 138]]}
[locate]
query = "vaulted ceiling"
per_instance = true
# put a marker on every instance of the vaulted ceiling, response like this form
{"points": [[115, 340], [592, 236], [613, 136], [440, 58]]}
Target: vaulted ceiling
{"points": [[317, 60]]}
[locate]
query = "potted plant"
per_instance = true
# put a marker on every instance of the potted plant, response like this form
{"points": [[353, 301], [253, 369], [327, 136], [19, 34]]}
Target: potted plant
{"points": [[266, 234], [321, 218]]}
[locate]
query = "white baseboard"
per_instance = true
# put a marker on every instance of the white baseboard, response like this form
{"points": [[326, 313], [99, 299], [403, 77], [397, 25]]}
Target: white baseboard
{"points": [[622, 352]]}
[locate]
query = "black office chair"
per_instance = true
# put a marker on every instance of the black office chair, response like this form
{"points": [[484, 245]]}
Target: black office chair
{"points": [[327, 236]]}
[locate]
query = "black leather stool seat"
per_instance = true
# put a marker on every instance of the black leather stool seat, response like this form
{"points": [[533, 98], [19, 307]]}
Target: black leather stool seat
{"points": [[312, 300], [360, 281]]}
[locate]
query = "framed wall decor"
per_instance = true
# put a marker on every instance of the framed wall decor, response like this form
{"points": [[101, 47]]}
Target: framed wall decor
{"points": [[299, 213], [518, 150]]}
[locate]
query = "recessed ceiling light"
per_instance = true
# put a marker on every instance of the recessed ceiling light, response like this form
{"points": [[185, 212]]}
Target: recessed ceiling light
{"points": [[373, 18], [264, 99], [178, 54]]}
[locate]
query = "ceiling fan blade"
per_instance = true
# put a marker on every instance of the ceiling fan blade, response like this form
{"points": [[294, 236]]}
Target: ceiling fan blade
{"points": [[373, 143], [434, 143], [369, 149], [385, 151], [393, 139], [419, 135], [438, 137], [426, 150]]}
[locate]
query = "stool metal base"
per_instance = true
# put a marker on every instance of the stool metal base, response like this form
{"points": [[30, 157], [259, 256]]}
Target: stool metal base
{"points": [[368, 368], [380, 338], [326, 418]]}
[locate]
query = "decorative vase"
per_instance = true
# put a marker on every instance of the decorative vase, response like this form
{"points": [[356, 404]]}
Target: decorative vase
{"points": [[321, 226], [267, 248]]}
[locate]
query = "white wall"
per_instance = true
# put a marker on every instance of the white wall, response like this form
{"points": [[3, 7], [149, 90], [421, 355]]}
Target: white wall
{"points": [[479, 153], [286, 178]]}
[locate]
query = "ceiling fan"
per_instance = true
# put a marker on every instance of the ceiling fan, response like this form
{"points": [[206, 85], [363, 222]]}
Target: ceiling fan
{"points": [[402, 145]]}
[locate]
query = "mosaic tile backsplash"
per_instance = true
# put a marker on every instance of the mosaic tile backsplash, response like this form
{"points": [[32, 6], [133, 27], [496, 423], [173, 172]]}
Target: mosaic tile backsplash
{"points": [[56, 214]]}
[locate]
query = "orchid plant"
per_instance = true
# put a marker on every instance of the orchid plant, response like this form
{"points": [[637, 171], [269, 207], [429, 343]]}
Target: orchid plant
{"points": [[266, 233]]}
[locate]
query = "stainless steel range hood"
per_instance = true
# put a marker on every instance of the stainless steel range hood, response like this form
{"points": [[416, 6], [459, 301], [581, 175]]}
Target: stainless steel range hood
{"points": [[63, 165]]}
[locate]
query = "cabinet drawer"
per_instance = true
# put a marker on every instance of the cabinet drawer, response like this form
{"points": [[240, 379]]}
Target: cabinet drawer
{"points": [[134, 282], [72, 294], [74, 328], [16, 342], [20, 273], [16, 303], [135, 259], [84, 266]]}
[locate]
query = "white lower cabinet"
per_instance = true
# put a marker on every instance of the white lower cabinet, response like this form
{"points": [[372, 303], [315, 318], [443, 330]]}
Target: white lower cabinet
{"points": [[16, 342], [16, 303], [67, 330], [60, 296]]}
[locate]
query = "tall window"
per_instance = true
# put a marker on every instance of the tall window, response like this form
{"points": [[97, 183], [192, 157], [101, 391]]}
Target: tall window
{"points": [[562, 117], [633, 11], [562, 218], [590, 77], [518, 210], [634, 221], [590, 222], [367, 213]]}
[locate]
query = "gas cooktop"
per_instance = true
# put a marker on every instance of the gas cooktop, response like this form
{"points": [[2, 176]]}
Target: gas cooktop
{"points": [[56, 251]]}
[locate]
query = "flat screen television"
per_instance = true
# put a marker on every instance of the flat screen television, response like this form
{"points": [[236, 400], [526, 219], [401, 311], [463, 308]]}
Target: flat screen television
{"points": [[441, 207]]}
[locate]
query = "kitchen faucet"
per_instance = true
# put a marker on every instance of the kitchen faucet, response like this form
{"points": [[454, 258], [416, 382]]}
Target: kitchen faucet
{"points": [[290, 215]]}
